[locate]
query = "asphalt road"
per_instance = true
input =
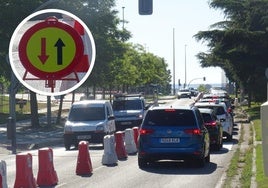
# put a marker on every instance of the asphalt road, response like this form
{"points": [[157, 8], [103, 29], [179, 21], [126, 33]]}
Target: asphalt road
{"points": [[126, 173]]}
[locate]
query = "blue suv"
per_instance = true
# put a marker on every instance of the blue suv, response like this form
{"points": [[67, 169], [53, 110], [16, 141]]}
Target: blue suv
{"points": [[173, 133]]}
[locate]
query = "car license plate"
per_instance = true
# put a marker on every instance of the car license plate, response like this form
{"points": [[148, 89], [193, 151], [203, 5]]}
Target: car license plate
{"points": [[170, 140], [81, 137], [126, 123]]}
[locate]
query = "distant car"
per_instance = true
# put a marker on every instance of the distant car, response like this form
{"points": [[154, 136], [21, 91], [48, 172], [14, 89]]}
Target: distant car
{"points": [[222, 114], [173, 133], [184, 93], [193, 91], [214, 127], [88, 120]]}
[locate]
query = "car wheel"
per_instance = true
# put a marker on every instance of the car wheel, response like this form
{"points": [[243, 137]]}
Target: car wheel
{"points": [[218, 146], [229, 137], [200, 162], [67, 144], [207, 159], [142, 163]]}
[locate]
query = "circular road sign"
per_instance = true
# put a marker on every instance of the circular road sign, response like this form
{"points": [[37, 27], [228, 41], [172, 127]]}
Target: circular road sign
{"points": [[50, 49], [52, 56]]}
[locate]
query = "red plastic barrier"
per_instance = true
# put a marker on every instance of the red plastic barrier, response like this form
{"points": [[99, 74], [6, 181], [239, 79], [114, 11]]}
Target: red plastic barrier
{"points": [[136, 135], [84, 166], [24, 172], [47, 176], [120, 145]]}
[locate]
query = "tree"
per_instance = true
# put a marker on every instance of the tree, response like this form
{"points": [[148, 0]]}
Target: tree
{"points": [[239, 44]]}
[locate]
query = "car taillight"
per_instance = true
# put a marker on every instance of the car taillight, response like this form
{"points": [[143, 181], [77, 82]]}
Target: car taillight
{"points": [[212, 123], [193, 131], [145, 131]]}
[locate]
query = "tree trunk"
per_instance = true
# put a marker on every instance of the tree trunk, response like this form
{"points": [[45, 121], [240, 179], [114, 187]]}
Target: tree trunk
{"points": [[60, 110], [49, 111], [73, 96], [34, 110]]}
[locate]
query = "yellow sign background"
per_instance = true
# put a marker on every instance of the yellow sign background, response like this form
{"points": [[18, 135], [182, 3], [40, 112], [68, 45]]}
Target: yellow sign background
{"points": [[52, 35]]}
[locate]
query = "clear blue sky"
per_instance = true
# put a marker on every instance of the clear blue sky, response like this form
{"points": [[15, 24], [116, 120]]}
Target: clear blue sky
{"points": [[155, 32]]}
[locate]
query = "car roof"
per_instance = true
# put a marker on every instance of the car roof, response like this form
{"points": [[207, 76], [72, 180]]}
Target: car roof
{"points": [[85, 102], [202, 104], [176, 107], [206, 110]]}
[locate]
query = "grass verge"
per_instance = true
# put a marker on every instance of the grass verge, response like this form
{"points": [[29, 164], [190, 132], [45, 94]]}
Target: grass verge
{"points": [[254, 113]]}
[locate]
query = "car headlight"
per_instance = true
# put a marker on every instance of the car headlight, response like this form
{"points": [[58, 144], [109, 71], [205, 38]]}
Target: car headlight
{"points": [[100, 128], [68, 129], [139, 116]]}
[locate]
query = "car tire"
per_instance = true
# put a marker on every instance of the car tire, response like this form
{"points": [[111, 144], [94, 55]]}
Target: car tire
{"points": [[142, 163], [200, 163], [67, 147], [67, 144], [207, 158], [229, 137], [218, 146]]}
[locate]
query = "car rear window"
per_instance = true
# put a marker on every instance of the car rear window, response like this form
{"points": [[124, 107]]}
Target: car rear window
{"points": [[206, 117], [170, 118], [127, 105], [85, 113], [219, 110]]}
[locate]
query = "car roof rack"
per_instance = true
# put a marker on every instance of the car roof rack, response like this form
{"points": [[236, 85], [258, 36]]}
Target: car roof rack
{"points": [[122, 96]]}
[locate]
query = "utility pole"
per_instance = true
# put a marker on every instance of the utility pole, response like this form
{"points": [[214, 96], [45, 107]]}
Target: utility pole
{"points": [[185, 79], [123, 17], [174, 90]]}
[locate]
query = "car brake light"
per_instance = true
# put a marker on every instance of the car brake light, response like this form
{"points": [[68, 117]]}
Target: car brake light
{"points": [[145, 131], [212, 123], [170, 110], [193, 131]]}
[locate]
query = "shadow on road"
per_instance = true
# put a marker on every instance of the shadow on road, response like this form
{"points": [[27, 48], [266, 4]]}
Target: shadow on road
{"points": [[179, 167]]}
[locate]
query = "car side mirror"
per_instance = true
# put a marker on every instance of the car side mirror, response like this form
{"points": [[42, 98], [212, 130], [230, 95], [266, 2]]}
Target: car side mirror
{"points": [[111, 118]]}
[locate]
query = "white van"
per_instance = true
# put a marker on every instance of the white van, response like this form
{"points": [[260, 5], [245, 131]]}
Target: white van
{"points": [[88, 120]]}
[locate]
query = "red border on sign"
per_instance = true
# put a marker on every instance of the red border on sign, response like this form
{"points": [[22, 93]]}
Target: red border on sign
{"points": [[50, 75]]}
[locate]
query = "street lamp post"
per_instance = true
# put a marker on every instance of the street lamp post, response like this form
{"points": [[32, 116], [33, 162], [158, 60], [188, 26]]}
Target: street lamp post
{"points": [[123, 15], [204, 79], [185, 79], [174, 90]]}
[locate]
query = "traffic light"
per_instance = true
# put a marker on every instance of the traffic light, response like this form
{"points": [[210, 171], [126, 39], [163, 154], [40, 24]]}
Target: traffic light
{"points": [[204, 78], [145, 7]]}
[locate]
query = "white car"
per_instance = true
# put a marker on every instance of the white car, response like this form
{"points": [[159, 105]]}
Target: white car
{"points": [[222, 114], [184, 93], [88, 120]]}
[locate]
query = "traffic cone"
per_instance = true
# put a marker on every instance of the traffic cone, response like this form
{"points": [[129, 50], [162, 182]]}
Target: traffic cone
{"points": [[47, 176], [24, 172], [130, 144], [109, 156], [120, 145], [136, 135], [83, 166], [3, 174]]}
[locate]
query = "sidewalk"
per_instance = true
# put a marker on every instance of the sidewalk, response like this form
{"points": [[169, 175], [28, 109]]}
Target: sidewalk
{"points": [[28, 138]]}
